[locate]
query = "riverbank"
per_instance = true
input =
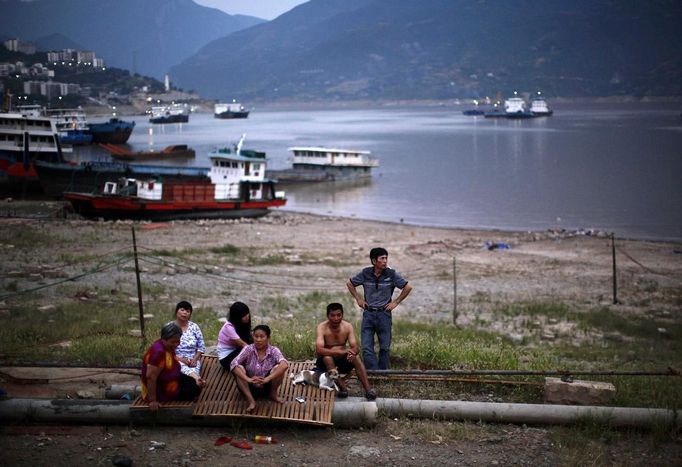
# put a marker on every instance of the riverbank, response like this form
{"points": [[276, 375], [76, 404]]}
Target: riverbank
{"points": [[523, 292], [469, 273]]}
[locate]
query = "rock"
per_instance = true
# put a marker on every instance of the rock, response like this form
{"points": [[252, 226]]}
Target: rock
{"points": [[516, 338], [85, 394], [148, 316], [578, 392], [121, 461], [157, 445], [135, 333], [364, 451], [547, 335], [47, 308]]}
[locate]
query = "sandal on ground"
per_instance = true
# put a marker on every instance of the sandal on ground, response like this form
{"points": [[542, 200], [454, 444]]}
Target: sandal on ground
{"points": [[371, 395], [342, 394]]}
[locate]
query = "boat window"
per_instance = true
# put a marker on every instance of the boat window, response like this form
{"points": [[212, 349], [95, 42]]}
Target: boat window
{"points": [[256, 166]]}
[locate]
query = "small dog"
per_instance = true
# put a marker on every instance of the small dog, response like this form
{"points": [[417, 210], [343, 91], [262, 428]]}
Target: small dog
{"points": [[326, 380]]}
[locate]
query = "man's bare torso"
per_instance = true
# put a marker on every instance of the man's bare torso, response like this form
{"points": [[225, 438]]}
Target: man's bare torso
{"points": [[335, 338]]}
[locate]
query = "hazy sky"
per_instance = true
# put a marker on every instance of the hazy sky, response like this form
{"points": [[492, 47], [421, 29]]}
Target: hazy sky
{"points": [[266, 9]]}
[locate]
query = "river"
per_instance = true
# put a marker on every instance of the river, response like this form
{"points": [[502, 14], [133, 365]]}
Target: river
{"points": [[614, 168]]}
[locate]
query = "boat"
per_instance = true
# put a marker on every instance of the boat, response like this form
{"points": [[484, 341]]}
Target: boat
{"points": [[115, 131], [55, 178], [539, 107], [174, 113], [475, 111], [24, 139], [236, 187], [515, 107], [72, 125], [322, 164], [231, 110], [495, 112], [176, 151]]}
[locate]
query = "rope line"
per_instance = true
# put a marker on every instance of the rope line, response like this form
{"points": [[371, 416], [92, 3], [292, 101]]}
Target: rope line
{"points": [[648, 269], [95, 270], [159, 261]]}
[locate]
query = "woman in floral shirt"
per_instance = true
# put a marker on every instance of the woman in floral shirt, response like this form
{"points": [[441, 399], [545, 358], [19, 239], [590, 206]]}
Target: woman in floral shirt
{"points": [[191, 346], [259, 368]]}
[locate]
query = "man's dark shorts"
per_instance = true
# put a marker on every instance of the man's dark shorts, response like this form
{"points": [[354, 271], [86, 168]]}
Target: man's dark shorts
{"points": [[343, 365]]}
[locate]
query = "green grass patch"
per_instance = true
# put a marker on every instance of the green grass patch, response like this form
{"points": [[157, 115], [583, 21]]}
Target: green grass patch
{"points": [[269, 260], [227, 249]]}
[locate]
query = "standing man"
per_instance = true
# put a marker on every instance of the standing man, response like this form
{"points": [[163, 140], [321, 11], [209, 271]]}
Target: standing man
{"points": [[378, 282], [336, 347]]}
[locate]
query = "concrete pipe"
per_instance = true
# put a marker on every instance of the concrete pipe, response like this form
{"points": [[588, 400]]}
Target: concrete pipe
{"points": [[65, 411], [118, 391], [344, 415], [527, 413]]}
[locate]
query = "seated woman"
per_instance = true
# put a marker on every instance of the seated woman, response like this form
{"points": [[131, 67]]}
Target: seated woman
{"points": [[162, 380], [259, 368], [191, 346], [235, 334]]}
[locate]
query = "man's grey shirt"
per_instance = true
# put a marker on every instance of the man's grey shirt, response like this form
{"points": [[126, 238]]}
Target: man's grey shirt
{"points": [[378, 290]]}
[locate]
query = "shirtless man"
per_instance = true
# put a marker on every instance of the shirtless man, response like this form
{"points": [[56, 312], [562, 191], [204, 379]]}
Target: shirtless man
{"points": [[336, 347]]}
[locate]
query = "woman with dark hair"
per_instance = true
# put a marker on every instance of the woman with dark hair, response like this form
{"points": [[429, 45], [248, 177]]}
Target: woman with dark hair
{"points": [[191, 346], [162, 380], [259, 368], [235, 334]]}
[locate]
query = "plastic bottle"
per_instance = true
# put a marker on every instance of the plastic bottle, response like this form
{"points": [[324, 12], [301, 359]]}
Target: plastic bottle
{"points": [[262, 439]]}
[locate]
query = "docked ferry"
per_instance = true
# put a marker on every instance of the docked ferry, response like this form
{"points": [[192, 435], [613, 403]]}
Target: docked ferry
{"points": [[25, 138], [539, 107], [174, 113], [320, 164], [72, 125], [231, 110], [515, 107]]}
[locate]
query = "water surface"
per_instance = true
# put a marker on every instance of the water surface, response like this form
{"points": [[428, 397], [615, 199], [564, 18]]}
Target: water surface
{"points": [[614, 168]]}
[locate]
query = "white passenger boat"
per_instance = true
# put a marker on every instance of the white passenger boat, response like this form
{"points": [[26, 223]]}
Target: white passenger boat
{"points": [[539, 107], [319, 164], [24, 138]]}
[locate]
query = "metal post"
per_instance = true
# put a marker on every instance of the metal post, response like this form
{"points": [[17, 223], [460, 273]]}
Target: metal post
{"points": [[613, 255], [139, 287], [454, 290]]}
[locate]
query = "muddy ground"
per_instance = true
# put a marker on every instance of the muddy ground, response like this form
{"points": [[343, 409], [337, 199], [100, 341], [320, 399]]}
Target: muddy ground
{"points": [[455, 275]]}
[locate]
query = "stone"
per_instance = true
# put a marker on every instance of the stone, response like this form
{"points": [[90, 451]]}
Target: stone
{"points": [[135, 333], [364, 451], [578, 392], [85, 394], [122, 461]]}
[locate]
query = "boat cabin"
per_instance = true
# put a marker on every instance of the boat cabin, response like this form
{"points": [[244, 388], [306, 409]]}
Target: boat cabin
{"points": [[514, 105], [321, 156]]}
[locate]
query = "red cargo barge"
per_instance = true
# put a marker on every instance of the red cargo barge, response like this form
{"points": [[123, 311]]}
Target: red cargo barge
{"points": [[235, 188]]}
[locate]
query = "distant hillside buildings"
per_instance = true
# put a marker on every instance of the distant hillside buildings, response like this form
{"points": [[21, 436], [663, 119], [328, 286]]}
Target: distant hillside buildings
{"points": [[38, 78]]}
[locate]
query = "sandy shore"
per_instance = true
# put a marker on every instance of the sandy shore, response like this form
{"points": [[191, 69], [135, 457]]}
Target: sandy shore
{"points": [[290, 255]]}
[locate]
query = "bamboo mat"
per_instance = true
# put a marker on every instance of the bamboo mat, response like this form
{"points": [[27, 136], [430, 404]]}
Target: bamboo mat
{"points": [[221, 398]]}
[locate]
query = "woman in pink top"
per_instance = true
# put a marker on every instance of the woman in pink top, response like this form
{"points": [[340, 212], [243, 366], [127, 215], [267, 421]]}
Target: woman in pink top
{"points": [[235, 334], [259, 368]]}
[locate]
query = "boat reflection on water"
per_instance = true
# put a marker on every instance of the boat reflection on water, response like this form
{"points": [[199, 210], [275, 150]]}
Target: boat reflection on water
{"points": [[329, 198]]}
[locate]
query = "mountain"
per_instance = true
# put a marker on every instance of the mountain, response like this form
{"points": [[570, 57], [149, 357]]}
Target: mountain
{"points": [[57, 41], [147, 37], [436, 49]]}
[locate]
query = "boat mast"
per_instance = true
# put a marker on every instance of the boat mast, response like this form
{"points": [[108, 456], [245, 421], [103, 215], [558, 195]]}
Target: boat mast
{"points": [[240, 143]]}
